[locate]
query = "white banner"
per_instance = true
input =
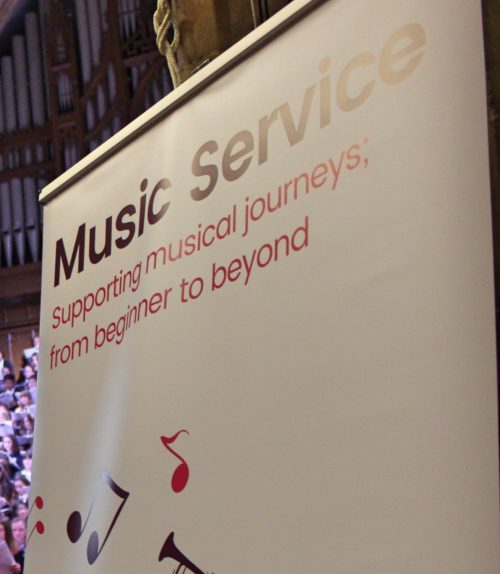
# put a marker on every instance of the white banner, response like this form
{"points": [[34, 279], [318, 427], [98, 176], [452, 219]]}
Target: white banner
{"points": [[268, 323]]}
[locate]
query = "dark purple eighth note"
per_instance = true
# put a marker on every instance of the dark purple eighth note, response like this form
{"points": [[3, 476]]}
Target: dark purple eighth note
{"points": [[75, 528]]}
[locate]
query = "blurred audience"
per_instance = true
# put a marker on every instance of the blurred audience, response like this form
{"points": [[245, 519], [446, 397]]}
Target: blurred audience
{"points": [[17, 426]]}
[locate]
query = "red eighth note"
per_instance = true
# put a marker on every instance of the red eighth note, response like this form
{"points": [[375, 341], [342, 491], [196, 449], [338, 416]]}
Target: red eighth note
{"points": [[39, 526], [180, 476]]}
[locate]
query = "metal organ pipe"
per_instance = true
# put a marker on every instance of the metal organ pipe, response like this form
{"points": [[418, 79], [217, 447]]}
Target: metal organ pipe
{"points": [[35, 75], [35, 69], [124, 19], [16, 202], [85, 63], [21, 79], [111, 82], [2, 112], [5, 243], [23, 199], [103, 91], [103, 4], [132, 7], [4, 193], [14, 187], [94, 20], [38, 115], [31, 216], [83, 37], [9, 97], [6, 222]]}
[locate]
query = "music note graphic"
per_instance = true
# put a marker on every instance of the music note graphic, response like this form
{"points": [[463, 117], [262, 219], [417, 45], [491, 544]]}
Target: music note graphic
{"points": [[170, 550], [180, 476], [75, 529], [39, 526]]}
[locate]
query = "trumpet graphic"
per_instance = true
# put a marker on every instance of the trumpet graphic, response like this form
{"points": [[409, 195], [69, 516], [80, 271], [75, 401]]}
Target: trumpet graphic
{"points": [[170, 550]]}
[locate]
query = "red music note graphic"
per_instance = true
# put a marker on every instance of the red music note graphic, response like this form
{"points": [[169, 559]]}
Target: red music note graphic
{"points": [[75, 529], [180, 476], [39, 526]]}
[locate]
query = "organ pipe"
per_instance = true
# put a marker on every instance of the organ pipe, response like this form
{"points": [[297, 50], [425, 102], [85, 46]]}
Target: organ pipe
{"points": [[16, 203], [132, 14], [35, 74], [124, 19], [9, 94], [83, 37], [31, 211], [2, 112], [94, 20], [103, 7], [5, 222], [21, 82]]}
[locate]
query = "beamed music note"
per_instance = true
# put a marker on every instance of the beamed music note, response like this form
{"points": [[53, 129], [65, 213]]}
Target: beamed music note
{"points": [[75, 528]]}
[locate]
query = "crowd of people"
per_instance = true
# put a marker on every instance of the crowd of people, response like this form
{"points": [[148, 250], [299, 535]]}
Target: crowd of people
{"points": [[17, 424]]}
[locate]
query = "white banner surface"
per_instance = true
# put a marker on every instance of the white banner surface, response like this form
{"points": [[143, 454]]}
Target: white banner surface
{"points": [[268, 323]]}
